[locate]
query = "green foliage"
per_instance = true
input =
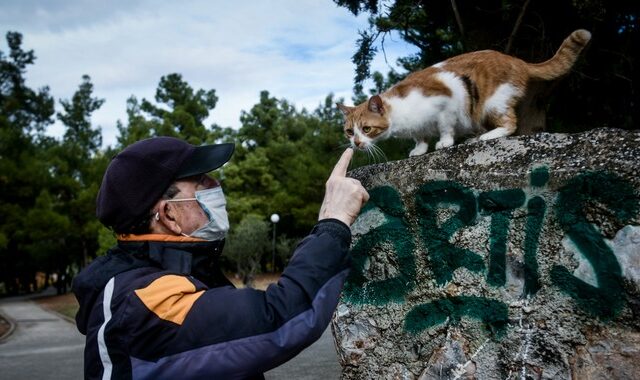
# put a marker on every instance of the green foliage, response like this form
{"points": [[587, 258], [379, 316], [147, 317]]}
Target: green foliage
{"points": [[284, 250], [106, 240], [180, 112], [283, 157], [247, 244], [24, 175]]}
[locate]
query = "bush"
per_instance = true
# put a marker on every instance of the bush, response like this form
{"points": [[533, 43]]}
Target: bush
{"points": [[246, 245]]}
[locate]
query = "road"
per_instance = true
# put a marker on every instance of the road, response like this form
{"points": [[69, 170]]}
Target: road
{"points": [[44, 346], [317, 362]]}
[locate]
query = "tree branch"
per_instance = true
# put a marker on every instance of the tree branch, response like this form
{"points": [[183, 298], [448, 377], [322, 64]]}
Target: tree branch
{"points": [[458, 20], [516, 26]]}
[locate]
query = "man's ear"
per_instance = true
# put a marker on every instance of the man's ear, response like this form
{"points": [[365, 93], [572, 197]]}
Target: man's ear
{"points": [[164, 221], [345, 110], [376, 105]]}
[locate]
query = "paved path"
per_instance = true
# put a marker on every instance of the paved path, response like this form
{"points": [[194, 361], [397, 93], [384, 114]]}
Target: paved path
{"points": [[317, 362], [44, 346]]}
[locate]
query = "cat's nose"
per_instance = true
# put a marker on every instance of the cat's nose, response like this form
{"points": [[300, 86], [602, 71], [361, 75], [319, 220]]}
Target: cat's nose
{"points": [[359, 144]]}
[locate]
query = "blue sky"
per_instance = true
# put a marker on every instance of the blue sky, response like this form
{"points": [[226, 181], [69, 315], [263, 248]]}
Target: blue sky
{"points": [[297, 49]]}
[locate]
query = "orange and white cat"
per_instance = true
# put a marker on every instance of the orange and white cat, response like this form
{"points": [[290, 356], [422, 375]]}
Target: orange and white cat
{"points": [[464, 95]]}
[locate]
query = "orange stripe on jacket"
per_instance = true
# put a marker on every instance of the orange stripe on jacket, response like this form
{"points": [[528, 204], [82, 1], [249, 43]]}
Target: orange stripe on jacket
{"points": [[170, 297], [158, 237]]}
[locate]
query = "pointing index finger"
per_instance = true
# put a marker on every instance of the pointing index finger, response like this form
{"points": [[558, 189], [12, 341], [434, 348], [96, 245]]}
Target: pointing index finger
{"points": [[340, 170]]}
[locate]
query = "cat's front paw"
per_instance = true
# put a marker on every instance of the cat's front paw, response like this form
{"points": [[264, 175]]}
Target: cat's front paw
{"points": [[418, 151], [445, 143]]}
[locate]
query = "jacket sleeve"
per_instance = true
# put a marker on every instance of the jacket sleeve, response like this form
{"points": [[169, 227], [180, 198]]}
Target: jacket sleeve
{"points": [[237, 333]]}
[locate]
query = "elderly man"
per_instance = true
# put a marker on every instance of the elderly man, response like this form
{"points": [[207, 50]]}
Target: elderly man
{"points": [[157, 305]]}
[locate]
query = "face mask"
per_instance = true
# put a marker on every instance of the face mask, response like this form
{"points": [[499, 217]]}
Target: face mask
{"points": [[213, 204]]}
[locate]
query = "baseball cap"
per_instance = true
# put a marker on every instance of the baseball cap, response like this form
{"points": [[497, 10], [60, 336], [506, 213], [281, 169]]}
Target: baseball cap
{"points": [[138, 176]]}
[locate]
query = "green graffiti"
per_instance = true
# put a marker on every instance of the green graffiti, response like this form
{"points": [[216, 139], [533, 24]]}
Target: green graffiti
{"points": [[606, 300], [395, 232], [536, 209], [435, 199], [444, 257], [494, 314], [539, 176], [500, 204]]}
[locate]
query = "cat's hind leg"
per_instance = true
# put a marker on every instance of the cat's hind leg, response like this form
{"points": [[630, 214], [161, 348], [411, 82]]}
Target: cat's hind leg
{"points": [[421, 148], [506, 125], [500, 111]]}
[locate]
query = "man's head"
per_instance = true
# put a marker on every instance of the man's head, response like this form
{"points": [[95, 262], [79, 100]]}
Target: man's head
{"points": [[139, 181]]}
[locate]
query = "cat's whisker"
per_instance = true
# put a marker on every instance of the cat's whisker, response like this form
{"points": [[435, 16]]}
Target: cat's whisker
{"points": [[380, 153], [369, 155], [374, 154]]}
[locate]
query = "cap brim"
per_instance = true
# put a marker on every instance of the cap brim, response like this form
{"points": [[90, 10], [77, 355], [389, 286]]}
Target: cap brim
{"points": [[205, 159]]}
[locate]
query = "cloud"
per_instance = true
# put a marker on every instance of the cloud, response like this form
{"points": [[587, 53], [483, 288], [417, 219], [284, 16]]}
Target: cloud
{"points": [[298, 50]]}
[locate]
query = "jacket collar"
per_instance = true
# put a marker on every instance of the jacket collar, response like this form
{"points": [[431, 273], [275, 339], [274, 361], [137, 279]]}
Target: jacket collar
{"points": [[178, 254]]}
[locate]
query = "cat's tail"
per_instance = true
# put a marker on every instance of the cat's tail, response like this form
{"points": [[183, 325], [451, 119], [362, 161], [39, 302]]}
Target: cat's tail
{"points": [[565, 57]]}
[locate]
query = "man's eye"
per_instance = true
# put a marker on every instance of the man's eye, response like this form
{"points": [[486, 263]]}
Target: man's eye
{"points": [[349, 132], [366, 129]]}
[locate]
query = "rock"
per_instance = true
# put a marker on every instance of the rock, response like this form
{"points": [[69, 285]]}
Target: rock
{"points": [[510, 258]]}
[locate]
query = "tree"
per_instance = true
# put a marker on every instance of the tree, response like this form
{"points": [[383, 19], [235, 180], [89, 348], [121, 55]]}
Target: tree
{"points": [[24, 115], [77, 173], [246, 245], [187, 109], [601, 92]]}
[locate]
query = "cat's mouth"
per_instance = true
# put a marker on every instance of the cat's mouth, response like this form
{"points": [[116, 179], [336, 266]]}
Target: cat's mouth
{"points": [[360, 146]]}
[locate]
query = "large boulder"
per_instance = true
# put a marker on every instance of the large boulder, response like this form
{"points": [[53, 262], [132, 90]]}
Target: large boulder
{"points": [[506, 259]]}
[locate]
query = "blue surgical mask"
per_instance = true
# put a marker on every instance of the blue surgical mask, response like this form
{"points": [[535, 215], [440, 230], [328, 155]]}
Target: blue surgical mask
{"points": [[213, 204]]}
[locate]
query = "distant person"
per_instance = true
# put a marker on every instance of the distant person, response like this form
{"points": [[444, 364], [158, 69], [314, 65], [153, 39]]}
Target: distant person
{"points": [[157, 306]]}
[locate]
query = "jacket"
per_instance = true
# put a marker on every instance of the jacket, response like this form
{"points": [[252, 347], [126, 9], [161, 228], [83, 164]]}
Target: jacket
{"points": [[149, 310]]}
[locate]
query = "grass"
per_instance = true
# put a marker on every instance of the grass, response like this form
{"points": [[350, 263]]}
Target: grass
{"points": [[67, 304], [4, 327]]}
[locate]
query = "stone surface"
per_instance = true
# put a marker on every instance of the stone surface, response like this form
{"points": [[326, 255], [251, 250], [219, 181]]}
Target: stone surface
{"points": [[516, 258]]}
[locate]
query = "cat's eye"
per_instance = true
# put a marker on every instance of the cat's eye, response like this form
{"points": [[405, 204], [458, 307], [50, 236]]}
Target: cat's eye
{"points": [[349, 132], [366, 129]]}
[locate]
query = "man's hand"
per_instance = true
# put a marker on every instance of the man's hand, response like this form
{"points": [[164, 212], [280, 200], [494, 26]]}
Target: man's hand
{"points": [[343, 197]]}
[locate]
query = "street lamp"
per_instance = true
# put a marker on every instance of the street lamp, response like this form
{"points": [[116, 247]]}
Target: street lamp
{"points": [[275, 218]]}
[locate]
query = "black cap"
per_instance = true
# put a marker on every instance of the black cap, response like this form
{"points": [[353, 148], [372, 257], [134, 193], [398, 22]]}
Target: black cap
{"points": [[138, 176]]}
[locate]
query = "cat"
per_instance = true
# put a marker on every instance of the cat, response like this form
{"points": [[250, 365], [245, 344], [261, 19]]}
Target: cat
{"points": [[463, 95]]}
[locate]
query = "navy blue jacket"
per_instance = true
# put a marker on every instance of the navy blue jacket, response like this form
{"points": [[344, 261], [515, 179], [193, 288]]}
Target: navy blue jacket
{"points": [[147, 313]]}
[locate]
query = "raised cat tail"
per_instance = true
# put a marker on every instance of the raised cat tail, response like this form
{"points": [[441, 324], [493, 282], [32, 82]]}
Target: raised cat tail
{"points": [[563, 60]]}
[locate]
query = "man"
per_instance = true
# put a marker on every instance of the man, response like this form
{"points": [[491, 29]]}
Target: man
{"points": [[158, 307]]}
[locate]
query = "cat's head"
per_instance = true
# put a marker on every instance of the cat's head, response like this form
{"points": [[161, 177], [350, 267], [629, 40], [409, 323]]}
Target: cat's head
{"points": [[366, 123]]}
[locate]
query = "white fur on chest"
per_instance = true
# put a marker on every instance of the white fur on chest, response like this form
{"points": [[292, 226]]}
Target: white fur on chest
{"points": [[419, 116]]}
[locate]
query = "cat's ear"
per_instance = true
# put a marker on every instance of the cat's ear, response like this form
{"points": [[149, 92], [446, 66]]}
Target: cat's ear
{"points": [[345, 110], [375, 105]]}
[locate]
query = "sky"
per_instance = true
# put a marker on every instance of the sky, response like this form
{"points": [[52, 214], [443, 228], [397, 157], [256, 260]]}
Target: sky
{"points": [[299, 50]]}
